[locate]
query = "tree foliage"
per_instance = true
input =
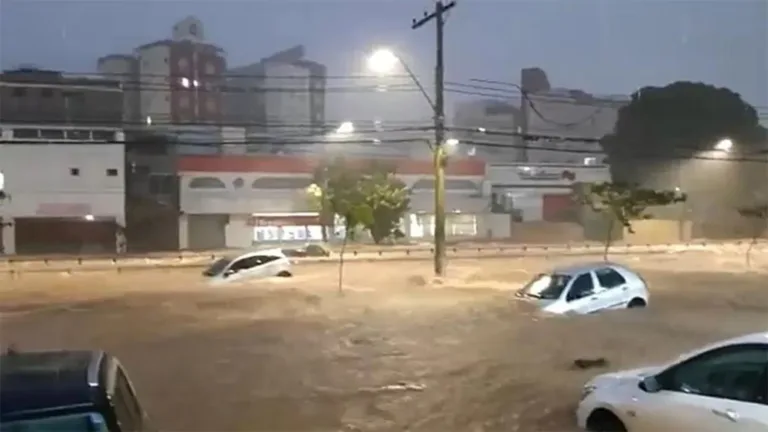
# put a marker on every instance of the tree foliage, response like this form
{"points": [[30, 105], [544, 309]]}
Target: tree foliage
{"points": [[677, 121], [369, 197], [624, 203]]}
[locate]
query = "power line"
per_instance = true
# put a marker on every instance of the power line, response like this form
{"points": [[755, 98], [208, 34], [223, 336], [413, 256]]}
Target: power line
{"points": [[725, 157], [221, 76]]}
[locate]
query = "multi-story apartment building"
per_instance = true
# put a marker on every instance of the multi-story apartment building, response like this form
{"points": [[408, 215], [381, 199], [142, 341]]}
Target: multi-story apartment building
{"points": [[574, 118], [283, 94], [50, 98], [174, 88], [489, 129]]}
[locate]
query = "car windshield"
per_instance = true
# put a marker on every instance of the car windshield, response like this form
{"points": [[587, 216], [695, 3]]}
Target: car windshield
{"points": [[217, 267], [87, 422], [546, 286]]}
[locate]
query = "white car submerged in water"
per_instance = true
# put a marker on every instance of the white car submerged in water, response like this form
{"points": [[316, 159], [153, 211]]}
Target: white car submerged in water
{"points": [[585, 289], [250, 265], [722, 387]]}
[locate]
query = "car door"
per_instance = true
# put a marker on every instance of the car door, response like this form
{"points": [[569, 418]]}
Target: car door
{"points": [[583, 296], [128, 413], [723, 390], [614, 290]]}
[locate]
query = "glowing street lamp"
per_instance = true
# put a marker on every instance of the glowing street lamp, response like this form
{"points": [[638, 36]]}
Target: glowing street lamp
{"points": [[346, 128], [383, 61], [724, 145]]}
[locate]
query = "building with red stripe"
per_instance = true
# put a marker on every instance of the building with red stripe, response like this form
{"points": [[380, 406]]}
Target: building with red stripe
{"points": [[239, 201]]}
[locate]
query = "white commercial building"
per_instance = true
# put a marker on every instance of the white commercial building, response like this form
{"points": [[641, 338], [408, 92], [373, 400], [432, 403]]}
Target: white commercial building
{"points": [[239, 201], [63, 197]]}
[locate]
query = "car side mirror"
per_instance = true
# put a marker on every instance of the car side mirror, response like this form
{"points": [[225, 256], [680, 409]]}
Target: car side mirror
{"points": [[650, 384], [229, 272]]}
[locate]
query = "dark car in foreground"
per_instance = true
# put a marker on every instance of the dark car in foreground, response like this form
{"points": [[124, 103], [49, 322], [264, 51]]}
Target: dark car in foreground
{"points": [[72, 391]]}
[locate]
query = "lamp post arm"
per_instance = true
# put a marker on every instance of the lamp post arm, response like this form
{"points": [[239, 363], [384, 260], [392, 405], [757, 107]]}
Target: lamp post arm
{"points": [[418, 83]]}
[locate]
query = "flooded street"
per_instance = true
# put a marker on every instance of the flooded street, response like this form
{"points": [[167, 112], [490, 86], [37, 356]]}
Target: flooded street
{"points": [[396, 352]]}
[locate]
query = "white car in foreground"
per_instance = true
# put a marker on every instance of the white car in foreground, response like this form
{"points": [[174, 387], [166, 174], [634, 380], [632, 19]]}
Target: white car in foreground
{"points": [[585, 289], [250, 265], [720, 388]]}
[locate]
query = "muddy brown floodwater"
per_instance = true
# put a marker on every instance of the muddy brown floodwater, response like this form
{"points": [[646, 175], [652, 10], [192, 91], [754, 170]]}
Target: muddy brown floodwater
{"points": [[397, 352]]}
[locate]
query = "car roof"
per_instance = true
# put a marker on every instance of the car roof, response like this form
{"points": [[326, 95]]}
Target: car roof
{"points": [[576, 269], [752, 338], [269, 252], [48, 380]]}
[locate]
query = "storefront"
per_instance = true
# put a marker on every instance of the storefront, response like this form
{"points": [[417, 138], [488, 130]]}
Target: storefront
{"points": [[286, 227], [422, 225], [238, 201]]}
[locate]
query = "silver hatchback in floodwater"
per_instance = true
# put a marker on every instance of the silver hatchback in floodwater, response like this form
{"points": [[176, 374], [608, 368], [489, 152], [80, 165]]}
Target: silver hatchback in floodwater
{"points": [[585, 289]]}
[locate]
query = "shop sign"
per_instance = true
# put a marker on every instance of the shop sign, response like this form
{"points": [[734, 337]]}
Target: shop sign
{"points": [[544, 175], [63, 210]]}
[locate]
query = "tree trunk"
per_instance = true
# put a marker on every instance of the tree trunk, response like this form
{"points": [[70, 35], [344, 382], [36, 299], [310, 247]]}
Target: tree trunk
{"points": [[341, 257], [608, 238], [749, 250]]}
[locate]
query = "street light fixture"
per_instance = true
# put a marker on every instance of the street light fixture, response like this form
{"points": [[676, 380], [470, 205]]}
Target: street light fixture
{"points": [[346, 128], [384, 61], [724, 145]]}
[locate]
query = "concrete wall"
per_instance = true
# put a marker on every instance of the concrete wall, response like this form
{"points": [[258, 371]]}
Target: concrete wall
{"points": [[655, 231]]}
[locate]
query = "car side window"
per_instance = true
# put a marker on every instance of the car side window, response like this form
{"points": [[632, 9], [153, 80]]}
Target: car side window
{"points": [[251, 262], [582, 286], [736, 372], [609, 278]]}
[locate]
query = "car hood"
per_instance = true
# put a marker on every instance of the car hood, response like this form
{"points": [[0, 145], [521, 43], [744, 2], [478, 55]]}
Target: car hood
{"points": [[624, 376], [538, 303]]}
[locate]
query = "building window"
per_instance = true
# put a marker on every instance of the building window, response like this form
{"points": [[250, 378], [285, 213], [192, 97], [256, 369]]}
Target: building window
{"points": [[79, 135], [26, 133], [19, 92], [206, 183], [111, 172], [74, 172], [166, 60], [52, 134], [100, 135]]}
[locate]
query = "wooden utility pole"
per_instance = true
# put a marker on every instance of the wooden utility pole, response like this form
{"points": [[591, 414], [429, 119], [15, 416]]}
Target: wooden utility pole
{"points": [[439, 116]]}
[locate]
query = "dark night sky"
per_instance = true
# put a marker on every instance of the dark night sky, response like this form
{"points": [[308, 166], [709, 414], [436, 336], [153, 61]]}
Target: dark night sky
{"points": [[601, 46]]}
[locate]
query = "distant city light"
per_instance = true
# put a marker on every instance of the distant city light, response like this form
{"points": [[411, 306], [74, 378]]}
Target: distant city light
{"points": [[451, 142], [89, 218], [2, 181]]}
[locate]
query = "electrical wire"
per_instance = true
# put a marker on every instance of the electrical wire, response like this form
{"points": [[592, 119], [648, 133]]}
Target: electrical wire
{"points": [[468, 142]]}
